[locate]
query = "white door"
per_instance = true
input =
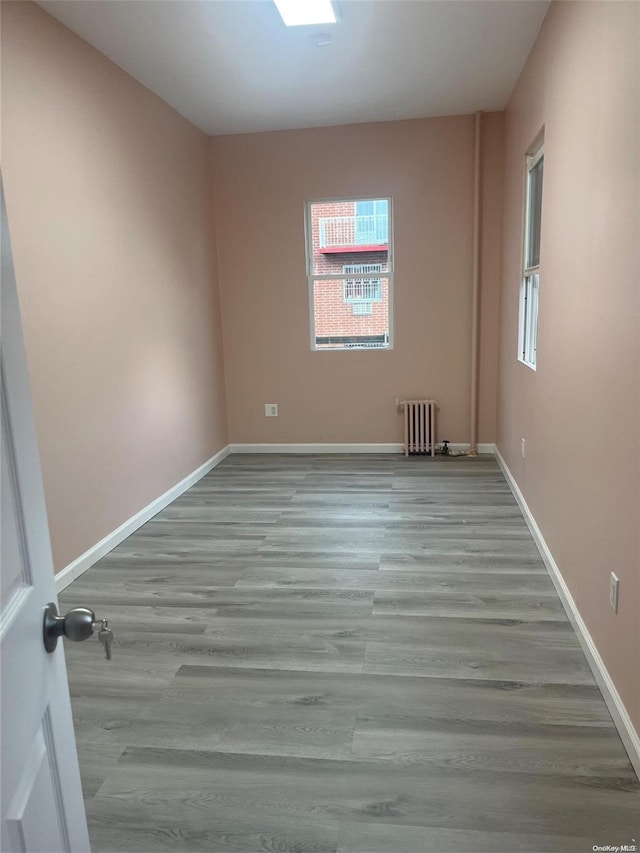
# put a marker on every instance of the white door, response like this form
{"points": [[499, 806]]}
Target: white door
{"points": [[42, 806]]}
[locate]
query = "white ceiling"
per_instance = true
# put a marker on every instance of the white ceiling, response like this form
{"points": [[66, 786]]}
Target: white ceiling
{"points": [[231, 66]]}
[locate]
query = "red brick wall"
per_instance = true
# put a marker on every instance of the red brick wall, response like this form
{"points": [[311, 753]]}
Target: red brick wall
{"points": [[334, 316]]}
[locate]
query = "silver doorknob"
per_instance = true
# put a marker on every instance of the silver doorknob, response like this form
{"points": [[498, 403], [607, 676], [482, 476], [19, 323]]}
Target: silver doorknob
{"points": [[77, 624]]}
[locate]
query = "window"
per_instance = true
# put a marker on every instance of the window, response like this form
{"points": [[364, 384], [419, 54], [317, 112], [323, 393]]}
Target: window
{"points": [[350, 272], [528, 332], [372, 221], [361, 309], [361, 292]]}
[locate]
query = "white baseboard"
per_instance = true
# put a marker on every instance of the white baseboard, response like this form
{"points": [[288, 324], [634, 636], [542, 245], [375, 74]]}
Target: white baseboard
{"points": [[487, 449], [392, 447], [612, 698], [316, 448], [86, 560], [484, 449]]}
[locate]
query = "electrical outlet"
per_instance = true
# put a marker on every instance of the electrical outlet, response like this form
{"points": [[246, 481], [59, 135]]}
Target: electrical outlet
{"points": [[522, 443], [614, 586], [271, 410]]}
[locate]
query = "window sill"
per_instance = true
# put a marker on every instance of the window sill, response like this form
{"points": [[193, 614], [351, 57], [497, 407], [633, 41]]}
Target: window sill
{"points": [[527, 364]]}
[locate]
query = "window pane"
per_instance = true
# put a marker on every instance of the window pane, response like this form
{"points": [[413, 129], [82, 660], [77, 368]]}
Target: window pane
{"points": [[348, 314], [526, 318], [362, 288], [361, 308], [529, 320], [534, 214], [348, 232], [533, 338], [372, 222], [365, 208]]}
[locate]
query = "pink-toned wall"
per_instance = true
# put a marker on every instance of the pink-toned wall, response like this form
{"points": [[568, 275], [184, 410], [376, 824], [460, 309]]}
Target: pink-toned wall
{"points": [[579, 411], [109, 204], [492, 160], [261, 182]]}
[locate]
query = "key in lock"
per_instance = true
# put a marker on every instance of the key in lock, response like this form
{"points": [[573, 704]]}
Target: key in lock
{"points": [[105, 635], [78, 624]]}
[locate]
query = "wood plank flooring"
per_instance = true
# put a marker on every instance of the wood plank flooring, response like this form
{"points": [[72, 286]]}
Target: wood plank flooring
{"points": [[341, 654]]}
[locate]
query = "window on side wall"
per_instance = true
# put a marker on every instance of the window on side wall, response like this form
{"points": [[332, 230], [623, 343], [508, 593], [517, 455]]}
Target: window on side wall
{"points": [[350, 272], [530, 285]]}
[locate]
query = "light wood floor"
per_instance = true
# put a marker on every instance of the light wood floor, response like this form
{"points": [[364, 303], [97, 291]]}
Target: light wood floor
{"points": [[347, 654]]}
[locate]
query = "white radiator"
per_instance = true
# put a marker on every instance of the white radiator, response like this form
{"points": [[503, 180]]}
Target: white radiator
{"points": [[419, 427]]}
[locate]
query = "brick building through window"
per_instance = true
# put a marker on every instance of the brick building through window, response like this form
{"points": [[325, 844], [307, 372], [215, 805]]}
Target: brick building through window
{"points": [[350, 274]]}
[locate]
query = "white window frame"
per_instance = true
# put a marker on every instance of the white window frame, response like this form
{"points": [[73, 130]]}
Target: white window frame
{"points": [[530, 282], [313, 277]]}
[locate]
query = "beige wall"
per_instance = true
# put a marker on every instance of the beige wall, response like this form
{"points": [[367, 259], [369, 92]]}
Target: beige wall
{"points": [[579, 412], [261, 184], [109, 204]]}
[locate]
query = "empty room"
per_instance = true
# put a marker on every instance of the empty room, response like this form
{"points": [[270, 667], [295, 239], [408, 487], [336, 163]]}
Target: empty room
{"points": [[320, 426]]}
